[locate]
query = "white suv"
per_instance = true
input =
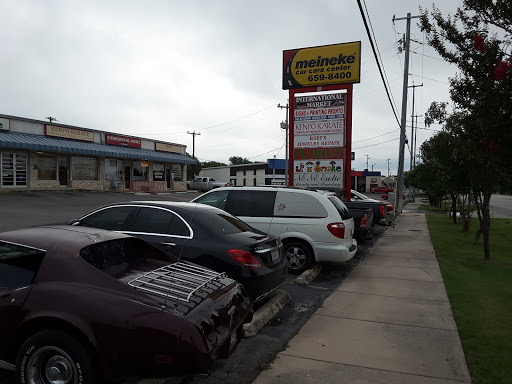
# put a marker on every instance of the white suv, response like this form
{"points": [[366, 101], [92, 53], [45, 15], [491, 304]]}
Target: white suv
{"points": [[313, 225]]}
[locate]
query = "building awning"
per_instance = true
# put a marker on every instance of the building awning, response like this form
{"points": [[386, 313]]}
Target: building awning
{"points": [[31, 142]]}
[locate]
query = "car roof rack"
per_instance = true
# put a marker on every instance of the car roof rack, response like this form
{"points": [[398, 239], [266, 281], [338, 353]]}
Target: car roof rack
{"points": [[180, 281]]}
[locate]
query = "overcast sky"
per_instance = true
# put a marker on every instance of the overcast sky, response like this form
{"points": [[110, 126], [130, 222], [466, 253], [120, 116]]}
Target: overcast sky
{"points": [[162, 68]]}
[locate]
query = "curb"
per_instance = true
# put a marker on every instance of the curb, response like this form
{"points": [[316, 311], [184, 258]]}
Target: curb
{"points": [[263, 315], [309, 275]]}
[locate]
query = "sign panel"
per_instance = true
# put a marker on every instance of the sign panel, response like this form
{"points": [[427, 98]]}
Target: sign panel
{"points": [[167, 147], [68, 133], [319, 140], [319, 173], [4, 124], [328, 64], [123, 141], [158, 172]]}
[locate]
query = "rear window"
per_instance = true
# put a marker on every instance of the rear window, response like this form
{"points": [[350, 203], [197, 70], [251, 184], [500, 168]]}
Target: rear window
{"points": [[18, 265], [340, 207], [110, 255], [224, 224]]}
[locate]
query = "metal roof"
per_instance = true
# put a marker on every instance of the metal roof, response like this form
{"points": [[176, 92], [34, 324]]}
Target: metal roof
{"points": [[16, 140]]}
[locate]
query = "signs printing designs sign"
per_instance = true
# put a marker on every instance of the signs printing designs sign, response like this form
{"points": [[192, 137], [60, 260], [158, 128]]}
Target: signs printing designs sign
{"points": [[328, 64], [68, 133], [123, 141], [167, 147]]}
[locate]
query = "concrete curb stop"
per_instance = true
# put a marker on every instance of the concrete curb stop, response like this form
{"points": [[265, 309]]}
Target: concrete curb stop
{"points": [[308, 275], [263, 315]]}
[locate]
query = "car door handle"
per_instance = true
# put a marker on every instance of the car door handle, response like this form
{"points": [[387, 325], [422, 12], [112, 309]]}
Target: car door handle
{"points": [[169, 244]]}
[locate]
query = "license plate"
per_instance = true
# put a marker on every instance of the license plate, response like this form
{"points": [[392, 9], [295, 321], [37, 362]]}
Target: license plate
{"points": [[275, 255]]}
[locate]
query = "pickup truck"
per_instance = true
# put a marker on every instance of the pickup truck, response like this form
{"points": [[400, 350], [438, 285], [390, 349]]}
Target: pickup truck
{"points": [[363, 221], [206, 183], [380, 209], [382, 189]]}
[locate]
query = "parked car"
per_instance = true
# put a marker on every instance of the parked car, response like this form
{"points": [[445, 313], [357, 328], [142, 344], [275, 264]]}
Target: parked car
{"points": [[84, 305], [200, 234], [314, 226], [382, 189], [206, 183]]}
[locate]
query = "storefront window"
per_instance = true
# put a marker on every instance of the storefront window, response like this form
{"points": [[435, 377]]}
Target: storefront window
{"points": [[140, 171], [158, 172], [46, 168], [113, 169], [84, 168], [176, 172], [13, 169]]}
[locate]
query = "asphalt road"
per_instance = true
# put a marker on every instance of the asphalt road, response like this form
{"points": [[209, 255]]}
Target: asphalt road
{"points": [[19, 210]]}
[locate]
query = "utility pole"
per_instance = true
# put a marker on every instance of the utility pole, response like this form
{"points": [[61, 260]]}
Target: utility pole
{"points": [[367, 158], [400, 182], [284, 125], [415, 136], [412, 124], [388, 160], [194, 142], [51, 118]]}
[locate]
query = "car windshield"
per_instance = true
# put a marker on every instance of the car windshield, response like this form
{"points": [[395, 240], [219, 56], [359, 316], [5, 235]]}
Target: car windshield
{"points": [[222, 223]]}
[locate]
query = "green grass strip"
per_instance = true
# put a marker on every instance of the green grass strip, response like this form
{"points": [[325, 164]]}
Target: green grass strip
{"points": [[480, 294]]}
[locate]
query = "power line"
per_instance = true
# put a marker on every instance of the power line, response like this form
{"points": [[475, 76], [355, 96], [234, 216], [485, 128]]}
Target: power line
{"points": [[374, 145], [377, 60]]}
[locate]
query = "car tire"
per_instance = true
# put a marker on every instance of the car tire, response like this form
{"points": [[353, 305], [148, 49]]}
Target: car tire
{"points": [[52, 356], [300, 257]]}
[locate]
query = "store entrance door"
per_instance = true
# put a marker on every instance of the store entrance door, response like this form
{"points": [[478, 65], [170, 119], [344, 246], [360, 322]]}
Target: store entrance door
{"points": [[127, 177], [63, 167], [168, 178]]}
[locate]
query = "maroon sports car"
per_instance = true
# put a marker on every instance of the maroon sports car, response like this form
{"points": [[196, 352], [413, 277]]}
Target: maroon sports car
{"points": [[83, 305]]}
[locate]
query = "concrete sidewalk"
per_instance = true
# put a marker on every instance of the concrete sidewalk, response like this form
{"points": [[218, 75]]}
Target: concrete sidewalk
{"points": [[390, 321]]}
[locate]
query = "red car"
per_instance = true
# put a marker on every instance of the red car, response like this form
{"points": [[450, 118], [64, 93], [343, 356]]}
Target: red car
{"points": [[85, 305], [382, 189]]}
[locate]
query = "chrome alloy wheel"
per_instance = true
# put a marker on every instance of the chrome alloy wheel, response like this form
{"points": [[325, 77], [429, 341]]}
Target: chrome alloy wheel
{"points": [[51, 365]]}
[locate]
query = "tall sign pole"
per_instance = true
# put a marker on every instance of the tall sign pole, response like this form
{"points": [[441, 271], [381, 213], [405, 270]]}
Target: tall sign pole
{"points": [[286, 126], [401, 149]]}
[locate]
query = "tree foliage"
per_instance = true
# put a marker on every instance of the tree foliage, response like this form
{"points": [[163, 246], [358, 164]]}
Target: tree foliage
{"points": [[238, 160], [478, 40], [193, 169], [210, 164]]}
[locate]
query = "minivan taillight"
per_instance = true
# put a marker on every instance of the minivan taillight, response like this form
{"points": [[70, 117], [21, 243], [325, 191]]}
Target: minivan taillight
{"points": [[337, 229], [247, 259]]}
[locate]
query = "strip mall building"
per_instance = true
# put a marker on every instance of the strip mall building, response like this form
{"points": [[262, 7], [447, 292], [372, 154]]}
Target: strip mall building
{"points": [[40, 155]]}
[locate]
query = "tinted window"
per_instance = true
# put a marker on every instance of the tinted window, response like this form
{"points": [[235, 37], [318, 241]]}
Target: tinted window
{"points": [[153, 220], [18, 265], [108, 218], [340, 207], [215, 199], [179, 228], [252, 203], [224, 223], [120, 253]]}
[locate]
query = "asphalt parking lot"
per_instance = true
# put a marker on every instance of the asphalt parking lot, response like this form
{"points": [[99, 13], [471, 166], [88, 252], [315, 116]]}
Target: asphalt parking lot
{"points": [[19, 210]]}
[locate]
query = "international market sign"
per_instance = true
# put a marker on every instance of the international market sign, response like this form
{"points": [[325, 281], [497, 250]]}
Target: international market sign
{"points": [[324, 65]]}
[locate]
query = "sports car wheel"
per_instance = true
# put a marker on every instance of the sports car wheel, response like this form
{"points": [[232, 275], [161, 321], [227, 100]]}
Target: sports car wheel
{"points": [[299, 256], [54, 357]]}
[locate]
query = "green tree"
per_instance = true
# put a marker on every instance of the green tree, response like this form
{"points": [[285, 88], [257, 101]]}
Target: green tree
{"points": [[193, 169], [238, 160], [210, 164], [477, 39]]}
